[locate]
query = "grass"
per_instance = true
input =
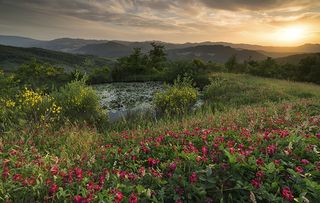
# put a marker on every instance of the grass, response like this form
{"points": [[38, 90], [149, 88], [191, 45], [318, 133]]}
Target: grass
{"points": [[239, 109]]}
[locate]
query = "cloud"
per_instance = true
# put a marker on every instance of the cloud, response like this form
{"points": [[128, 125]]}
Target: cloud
{"points": [[173, 20]]}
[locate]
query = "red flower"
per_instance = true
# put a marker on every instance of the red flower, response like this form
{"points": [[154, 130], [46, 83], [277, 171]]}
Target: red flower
{"points": [[287, 194], [77, 199], [152, 162], [173, 166], [318, 135], [118, 197], [54, 188], [231, 150], [256, 183], [54, 170], [271, 149], [260, 174], [299, 169], [17, 177], [78, 172], [204, 151], [260, 161], [133, 198], [193, 178], [305, 161]]}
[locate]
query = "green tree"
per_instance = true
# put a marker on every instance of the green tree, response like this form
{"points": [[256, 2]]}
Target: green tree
{"points": [[231, 63], [157, 57]]}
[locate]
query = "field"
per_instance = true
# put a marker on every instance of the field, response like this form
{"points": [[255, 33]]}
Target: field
{"points": [[254, 140]]}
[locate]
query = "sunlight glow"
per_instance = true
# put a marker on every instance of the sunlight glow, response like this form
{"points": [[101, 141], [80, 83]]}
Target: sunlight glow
{"points": [[291, 34]]}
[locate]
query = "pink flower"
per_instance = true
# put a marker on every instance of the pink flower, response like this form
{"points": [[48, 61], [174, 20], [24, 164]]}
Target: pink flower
{"points": [[287, 194], [260, 161], [152, 162], [256, 183], [204, 151], [133, 198], [54, 188], [271, 149], [260, 174], [78, 172], [299, 169], [277, 161], [193, 178], [118, 197], [305, 161], [77, 199], [54, 170], [173, 166], [231, 150]]}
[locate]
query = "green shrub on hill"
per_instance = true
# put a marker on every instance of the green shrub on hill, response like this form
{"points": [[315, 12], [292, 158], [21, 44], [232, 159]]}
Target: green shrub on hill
{"points": [[177, 99]]}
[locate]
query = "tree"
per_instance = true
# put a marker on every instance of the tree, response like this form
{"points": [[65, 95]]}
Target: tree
{"points": [[157, 56], [231, 64]]}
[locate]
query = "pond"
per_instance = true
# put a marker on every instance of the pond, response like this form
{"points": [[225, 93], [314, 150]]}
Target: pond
{"points": [[122, 98]]}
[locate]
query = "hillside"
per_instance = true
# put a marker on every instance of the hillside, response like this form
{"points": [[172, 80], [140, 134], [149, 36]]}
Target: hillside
{"points": [[294, 59], [101, 47], [216, 53], [12, 57]]}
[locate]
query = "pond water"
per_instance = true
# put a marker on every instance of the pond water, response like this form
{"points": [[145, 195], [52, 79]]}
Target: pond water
{"points": [[122, 98]]}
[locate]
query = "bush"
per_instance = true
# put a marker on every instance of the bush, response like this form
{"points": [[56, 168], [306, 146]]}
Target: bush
{"points": [[177, 99], [79, 102]]}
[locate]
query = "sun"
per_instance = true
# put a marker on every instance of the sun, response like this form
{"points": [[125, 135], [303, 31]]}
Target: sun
{"points": [[291, 34]]}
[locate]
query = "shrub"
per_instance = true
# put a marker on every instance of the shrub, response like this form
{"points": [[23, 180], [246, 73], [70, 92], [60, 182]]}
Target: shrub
{"points": [[177, 99], [79, 102]]}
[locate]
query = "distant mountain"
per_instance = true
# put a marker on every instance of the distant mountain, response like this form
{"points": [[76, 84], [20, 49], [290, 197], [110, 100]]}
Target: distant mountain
{"points": [[68, 44], [216, 53], [294, 59], [19, 41], [118, 48], [109, 49], [12, 57]]}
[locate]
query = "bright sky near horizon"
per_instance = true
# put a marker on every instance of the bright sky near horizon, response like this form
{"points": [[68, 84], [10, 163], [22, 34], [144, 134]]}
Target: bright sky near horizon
{"points": [[265, 22]]}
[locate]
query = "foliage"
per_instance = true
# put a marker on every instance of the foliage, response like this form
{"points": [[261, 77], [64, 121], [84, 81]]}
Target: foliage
{"points": [[245, 155], [99, 75], [40, 75], [177, 99], [80, 102]]}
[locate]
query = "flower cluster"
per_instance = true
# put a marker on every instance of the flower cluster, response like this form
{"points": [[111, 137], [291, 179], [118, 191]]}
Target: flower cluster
{"points": [[198, 164]]}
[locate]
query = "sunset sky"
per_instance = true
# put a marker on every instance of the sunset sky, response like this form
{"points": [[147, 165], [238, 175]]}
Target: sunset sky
{"points": [[265, 22]]}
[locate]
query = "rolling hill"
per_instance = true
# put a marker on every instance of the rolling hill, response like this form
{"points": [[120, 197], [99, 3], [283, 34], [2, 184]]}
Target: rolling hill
{"points": [[12, 57], [216, 53], [295, 59], [116, 48]]}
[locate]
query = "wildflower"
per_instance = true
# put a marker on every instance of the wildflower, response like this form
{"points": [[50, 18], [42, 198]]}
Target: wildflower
{"points": [[77, 199], [193, 178], [260, 174], [318, 135], [78, 172], [287, 194], [133, 198], [54, 188], [17, 177], [231, 150], [299, 169], [152, 162], [260, 161], [271, 149], [256, 183], [204, 150], [54, 170], [305, 161], [118, 197], [173, 166]]}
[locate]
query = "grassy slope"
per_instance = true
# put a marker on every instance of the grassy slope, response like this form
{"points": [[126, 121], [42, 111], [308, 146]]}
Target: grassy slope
{"points": [[250, 104]]}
